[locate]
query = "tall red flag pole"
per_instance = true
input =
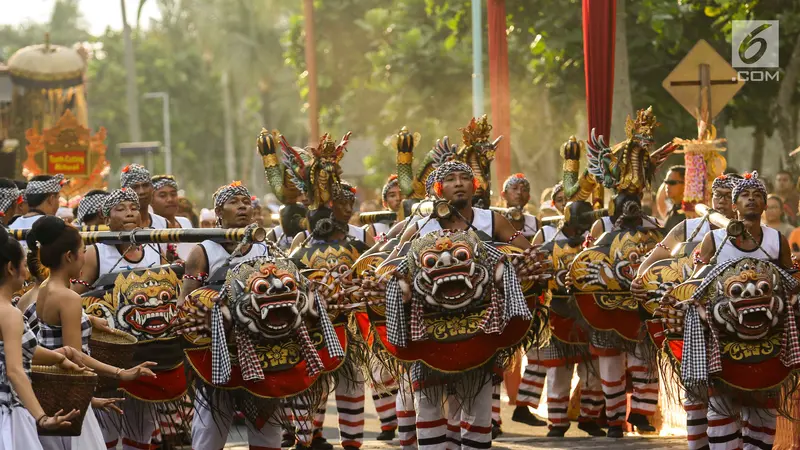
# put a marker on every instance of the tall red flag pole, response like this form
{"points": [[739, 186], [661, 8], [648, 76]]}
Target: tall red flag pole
{"points": [[311, 68], [499, 86], [599, 29]]}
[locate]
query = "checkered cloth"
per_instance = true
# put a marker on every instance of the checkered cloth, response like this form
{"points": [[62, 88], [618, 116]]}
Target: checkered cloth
{"points": [[8, 397], [118, 196], [449, 167], [694, 366], [429, 183], [396, 321], [504, 305], [314, 365], [160, 181], [9, 196], [220, 357], [392, 182], [790, 345], [52, 337], [248, 360], [724, 182], [51, 186], [226, 192], [31, 319], [91, 204], [513, 180], [331, 340], [749, 181], [346, 192], [134, 174]]}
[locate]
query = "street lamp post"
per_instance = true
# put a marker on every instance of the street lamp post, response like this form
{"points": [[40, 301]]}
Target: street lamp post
{"points": [[167, 135]]}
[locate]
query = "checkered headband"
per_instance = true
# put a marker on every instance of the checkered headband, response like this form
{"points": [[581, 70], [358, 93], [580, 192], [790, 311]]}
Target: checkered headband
{"points": [[51, 186], [392, 182], [91, 204], [513, 180], [429, 183], [226, 192], [160, 181], [556, 189], [9, 196], [133, 174], [749, 181], [451, 167], [347, 192], [723, 182], [118, 196]]}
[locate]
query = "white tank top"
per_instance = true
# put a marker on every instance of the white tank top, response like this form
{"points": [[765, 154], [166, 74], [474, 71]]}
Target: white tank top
{"points": [[283, 240], [109, 259], [216, 254], [770, 248], [185, 248], [24, 223], [158, 222], [646, 224], [549, 231], [482, 219], [530, 227], [381, 228], [692, 224]]}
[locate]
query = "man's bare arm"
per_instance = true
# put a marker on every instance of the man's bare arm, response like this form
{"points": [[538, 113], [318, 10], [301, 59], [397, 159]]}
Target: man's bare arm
{"points": [[196, 265]]}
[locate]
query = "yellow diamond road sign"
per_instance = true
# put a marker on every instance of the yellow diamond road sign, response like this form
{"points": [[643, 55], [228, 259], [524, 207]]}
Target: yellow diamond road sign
{"points": [[684, 83]]}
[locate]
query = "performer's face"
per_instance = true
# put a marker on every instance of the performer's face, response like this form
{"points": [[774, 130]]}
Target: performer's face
{"points": [[343, 210], [750, 204], [237, 212], [124, 217], [560, 201], [517, 195], [165, 201], [393, 198], [721, 201], [144, 191], [457, 188]]}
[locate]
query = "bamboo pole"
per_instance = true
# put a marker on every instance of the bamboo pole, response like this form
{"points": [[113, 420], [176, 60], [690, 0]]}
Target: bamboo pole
{"points": [[169, 235]]}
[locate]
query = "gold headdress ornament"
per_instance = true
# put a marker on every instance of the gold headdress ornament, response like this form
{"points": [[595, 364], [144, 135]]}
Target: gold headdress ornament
{"points": [[477, 150], [477, 131], [643, 127]]}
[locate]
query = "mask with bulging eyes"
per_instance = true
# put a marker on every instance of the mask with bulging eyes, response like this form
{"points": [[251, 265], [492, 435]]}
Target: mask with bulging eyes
{"points": [[268, 297], [447, 269]]}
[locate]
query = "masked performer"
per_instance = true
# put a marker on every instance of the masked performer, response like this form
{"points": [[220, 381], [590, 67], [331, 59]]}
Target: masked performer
{"points": [[602, 274], [137, 178], [42, 197]]}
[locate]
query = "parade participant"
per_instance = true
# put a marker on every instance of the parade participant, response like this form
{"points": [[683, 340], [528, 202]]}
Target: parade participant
{"points": [[259, 216], [568, 344], [601, 274], [292, 220], [59, 247], [673, 187], [137, 178], [207, 218], [557, 198], [10, 199], [392, 200], [165, 204], [20, 411], [233, 209], [42, 198], [741, 298], [121, 213], [186, 210], [23, 207], [517, 194], [90, 208]]}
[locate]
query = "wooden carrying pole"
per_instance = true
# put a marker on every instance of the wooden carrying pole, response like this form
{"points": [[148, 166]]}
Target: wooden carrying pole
{"points": [[170, 235], [311, 68]]}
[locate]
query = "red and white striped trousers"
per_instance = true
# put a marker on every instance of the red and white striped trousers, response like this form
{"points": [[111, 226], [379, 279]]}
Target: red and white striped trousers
{"points": [[613, 378], [532, 384], [437, 431], [753, 430], [211, 433], [406, 418], [559, 383], [385, 397]]}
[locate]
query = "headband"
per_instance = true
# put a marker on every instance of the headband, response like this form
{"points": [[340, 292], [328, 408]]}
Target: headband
{"points": [[723, 182], [346, 192], [451, 167], [226, 192], [429, 182], [51, 186], [390, 183], [134, 174], [91, 204], [749, 181], [118, 196], [513, 180], [556, 189], [9, 196], [160, 181]]}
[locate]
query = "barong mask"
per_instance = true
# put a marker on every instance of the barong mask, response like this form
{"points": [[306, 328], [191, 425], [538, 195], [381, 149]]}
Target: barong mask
{"points": [[446, 269], [269, 297]]}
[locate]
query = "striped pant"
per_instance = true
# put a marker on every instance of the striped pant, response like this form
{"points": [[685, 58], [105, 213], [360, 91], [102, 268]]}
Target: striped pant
{"points": [[350, 409], [559, 382], [141, 423], [756, 430], [696, 424], [461, 428], [496, 405], [613, 377], [210, 432], [385, 397], [530, 389], [406, 418]]}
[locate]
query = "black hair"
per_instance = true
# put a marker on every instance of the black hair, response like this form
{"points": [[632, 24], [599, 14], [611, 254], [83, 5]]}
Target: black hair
{"points": [[49, 239], [6, 183], [10, 252], [680, 169], [35, 200], [96, 214], [21, 184], [291, 218]]}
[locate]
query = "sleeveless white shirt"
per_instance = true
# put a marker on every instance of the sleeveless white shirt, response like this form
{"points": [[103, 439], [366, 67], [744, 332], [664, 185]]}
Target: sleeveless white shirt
{"points": [[159, 222], [381, 228], [24, 223], [216, 254], [283, 240], [109, 259], [770, 248], [185, 248], [692, 224], [482, 219], [530, 227], [548, 231]]}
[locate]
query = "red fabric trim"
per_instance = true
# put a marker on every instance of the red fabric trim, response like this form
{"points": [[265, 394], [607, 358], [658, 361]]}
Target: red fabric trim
{"points": [[432, 424], [139, 445], [769, 431], [613, 383], [475, 429], [558, 399], [351, 423], [694, 407], [350, 399], [385, 407], [406, 413], [722, 422], [623, 322], [408, 442], [644, 412], [112, 444], [696, 437]]}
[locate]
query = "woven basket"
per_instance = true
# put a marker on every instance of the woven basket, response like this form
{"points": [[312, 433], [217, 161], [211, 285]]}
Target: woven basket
{"points": [[115, 349], [58, 389]]}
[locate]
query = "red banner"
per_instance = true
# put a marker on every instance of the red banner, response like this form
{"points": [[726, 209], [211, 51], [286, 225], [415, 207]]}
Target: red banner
{"points": [[499, 87], [599, 30], [71, 164]]}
